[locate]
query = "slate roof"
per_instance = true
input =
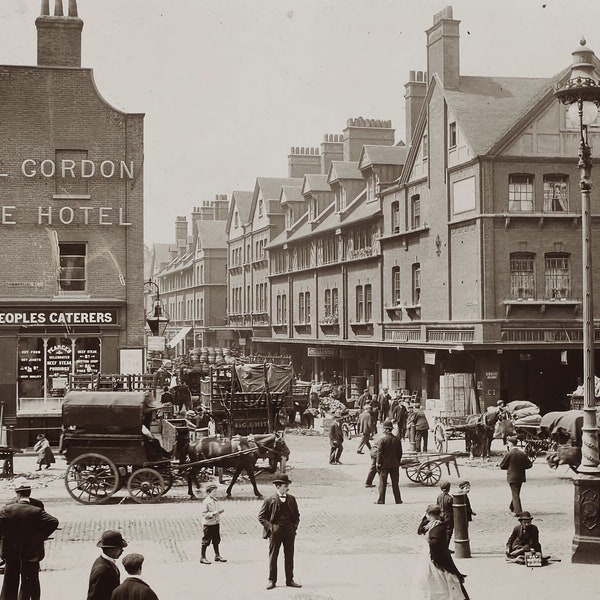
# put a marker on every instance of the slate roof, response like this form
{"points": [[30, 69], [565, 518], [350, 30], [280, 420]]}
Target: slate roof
{"points": [[291, 193], [315, 183], [486, 108], [341, 169], [243, 201], [382, 155], [211, 234]]}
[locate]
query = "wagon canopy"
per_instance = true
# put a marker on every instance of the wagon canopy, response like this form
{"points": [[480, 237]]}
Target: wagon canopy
{"points": [[263, 377], [104, 412]]}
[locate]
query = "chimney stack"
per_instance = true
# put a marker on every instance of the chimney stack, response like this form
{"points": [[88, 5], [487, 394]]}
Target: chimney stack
{"points": [[360, 132], [443, 49], [59, 37], [302, 161], [181, 230], [332, 148], [416, 88]]}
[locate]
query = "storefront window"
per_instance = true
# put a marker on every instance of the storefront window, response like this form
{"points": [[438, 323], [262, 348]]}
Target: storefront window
{"points": [[46, 363]]}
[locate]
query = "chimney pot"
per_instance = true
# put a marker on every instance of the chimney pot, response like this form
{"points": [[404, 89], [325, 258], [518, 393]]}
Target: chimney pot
{"points": [[447, 12], [73, 8], [45, 12], [58, 8], [411, 76]]}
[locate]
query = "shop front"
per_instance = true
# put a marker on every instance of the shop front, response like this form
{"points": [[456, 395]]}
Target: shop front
{"points": [[40, 348]]}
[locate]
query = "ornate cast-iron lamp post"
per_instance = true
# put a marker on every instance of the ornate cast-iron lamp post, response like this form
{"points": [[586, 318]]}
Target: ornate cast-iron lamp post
{"points": [[581, 92]]}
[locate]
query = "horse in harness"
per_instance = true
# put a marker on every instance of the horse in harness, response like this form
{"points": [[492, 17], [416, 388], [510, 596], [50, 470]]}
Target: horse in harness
{"points": [[479, 433], [239, 452]]}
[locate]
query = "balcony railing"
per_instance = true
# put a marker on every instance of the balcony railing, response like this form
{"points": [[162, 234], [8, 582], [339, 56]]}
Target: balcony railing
{"points": [[451, 336], [549, 334], [395, 334]]}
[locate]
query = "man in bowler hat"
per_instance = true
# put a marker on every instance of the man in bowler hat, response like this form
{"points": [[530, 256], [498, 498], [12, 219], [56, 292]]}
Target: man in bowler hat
{"points": [[515, 462], [280, 517], [105, 576], [24, 528], [389, 456]]}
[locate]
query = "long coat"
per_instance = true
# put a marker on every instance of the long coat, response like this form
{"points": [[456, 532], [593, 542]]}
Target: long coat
{"points": [[390, 452], [269, 513], [515, 462], [336, 435], [365, 423], [133, 588], [104, 579], [24, 529]]}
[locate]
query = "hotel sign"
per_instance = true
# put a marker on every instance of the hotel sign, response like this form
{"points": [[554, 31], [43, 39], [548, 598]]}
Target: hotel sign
{"points": [[73, 316], [67, 173]]}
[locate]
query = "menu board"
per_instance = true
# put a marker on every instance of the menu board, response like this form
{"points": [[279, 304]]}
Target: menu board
{"points": [[58, 361], [87, 360], [30, 364]]}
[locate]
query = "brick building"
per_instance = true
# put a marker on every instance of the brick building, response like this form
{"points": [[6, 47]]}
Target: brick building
{"points": [[457, 252], [71, 220], [193, 280]]}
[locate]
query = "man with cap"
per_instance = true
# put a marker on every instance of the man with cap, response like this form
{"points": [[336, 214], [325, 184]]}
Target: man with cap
{"points": [[389, 455], [105, 576], [525, 537], [279, 516], [25, 528], [515, 462], [134, 587], [336, 440], [421, 426], [23, 492], [211, 524]]}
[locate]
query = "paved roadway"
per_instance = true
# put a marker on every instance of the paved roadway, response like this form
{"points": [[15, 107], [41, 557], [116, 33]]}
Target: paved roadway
{"points": [[347, 546]]}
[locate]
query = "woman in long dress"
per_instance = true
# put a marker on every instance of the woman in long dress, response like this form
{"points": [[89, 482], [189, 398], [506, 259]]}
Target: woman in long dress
{"points": [[437, 577], [44, 452]]}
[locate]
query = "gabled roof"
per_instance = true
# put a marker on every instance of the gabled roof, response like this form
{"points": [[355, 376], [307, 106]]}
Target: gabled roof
{"points": [[291, 193], [270, 188], [382, 155], [211, 234], [487, 107], [341, 169], [240, 201], [315, 183]]}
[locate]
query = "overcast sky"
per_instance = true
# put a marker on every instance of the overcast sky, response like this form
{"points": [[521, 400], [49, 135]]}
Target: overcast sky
{"points": [[228, 86]]}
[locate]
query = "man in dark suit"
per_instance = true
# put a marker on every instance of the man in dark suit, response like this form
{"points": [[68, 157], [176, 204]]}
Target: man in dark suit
{"points": [[23, 492], [389, 456], [24, 528], [134, 587], [365, 428], [421, 426], [524, 538], [515, 462], [105, 576], [279, 516], [336, 440]]}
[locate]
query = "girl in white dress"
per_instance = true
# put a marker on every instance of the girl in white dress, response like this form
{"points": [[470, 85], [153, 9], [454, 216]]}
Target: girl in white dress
{"points": [[437, 577]]}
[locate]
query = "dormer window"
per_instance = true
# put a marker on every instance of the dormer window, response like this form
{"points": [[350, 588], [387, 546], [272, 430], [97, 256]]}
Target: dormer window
{"points": [[452, 136]]}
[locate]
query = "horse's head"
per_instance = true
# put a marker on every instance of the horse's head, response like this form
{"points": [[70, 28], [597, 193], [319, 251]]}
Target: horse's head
{"points": [[280, 446], [504, 428]]}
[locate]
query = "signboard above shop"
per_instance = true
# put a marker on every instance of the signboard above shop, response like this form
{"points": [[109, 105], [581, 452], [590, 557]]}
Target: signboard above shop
{"points": [[71, 316], [322, 352]]}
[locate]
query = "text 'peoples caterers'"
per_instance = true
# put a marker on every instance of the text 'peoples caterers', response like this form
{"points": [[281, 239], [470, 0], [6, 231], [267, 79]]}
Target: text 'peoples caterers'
{"points": [[69, 170]]}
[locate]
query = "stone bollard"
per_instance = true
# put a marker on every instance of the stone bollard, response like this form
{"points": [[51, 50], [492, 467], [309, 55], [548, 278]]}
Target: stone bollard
{"points": [[461, 526]]}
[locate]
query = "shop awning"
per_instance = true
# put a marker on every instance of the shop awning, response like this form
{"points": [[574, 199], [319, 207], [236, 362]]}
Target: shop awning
{"points": [[179, 336]]}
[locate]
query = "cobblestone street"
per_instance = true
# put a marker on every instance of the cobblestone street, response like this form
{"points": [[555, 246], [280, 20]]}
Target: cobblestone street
{"points": [[346, 547]]}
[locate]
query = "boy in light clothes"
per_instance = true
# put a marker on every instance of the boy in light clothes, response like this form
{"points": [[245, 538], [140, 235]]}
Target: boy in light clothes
{"points": [[211, 518]]}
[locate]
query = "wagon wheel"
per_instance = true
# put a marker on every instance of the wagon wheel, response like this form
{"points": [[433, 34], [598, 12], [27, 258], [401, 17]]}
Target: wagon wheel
{"points": [[440, 438], [167, 475], [411, 472], [92, 479], [146, 485], [347, 431], [429, 473]]}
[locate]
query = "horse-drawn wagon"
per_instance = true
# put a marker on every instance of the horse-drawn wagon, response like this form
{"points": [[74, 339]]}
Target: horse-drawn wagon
{"points": [[111, 442], [426, 468], [106, 449]]}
